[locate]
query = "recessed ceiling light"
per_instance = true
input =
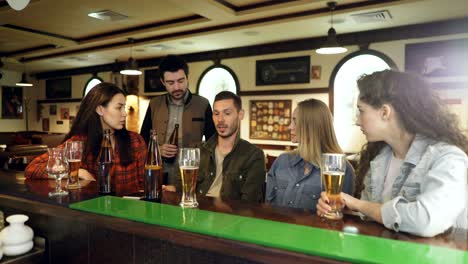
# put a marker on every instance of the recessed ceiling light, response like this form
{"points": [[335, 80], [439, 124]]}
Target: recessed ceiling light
{"points": [[159, 47], [251, 33], [107, 15]]}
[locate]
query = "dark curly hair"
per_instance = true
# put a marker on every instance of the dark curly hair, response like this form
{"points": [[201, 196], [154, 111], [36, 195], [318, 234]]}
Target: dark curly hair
{"points": [[419, 110]]}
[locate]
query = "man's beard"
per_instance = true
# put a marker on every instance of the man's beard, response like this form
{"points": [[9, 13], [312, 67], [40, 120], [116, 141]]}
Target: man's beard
{"points": [[232, 132], [183, 94]]}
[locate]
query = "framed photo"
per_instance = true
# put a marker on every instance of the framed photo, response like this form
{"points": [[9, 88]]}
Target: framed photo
{"points": [[64, 113], [131, 84], [153, 81], [45, 124], [438, 59], [283, 71], [269, 119], [455, 96], [58, 88], [316, 72], [52, 110], [12, 102]]}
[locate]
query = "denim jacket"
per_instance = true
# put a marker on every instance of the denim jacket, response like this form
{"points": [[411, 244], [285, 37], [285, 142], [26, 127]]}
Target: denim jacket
{"points": [[288, 186], [429, 194]]}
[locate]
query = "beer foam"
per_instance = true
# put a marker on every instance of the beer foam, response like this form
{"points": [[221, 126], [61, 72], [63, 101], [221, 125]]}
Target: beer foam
{"points": [[334, 173], [189, 167]]}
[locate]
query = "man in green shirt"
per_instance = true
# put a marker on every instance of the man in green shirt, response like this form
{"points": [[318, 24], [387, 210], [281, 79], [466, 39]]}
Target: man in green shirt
{"points": [[230, 167]]}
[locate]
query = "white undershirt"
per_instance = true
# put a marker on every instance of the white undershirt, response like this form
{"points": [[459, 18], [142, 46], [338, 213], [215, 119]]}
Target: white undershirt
{"points": [[392, 173]]}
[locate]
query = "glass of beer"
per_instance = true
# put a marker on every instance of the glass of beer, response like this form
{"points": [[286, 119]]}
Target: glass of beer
{"points": [[74, 154], [333, 169], [189, 160]]}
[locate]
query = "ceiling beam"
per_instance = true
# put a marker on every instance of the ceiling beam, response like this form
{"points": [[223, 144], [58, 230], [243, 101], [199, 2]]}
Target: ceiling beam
{"points": [[440, 28], [210, 9], [49, 37]]}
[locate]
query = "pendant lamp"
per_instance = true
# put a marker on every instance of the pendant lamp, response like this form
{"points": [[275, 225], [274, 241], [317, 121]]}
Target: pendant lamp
{"points": [[131, 67], [24, 82], [331, 46]]}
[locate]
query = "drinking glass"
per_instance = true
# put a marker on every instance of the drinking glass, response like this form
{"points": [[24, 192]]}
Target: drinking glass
{"points": [[333, 169], [74, 154], [57, 167], [189, 161]]}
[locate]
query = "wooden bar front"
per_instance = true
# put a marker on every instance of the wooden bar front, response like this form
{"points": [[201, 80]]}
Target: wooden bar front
{"points": [[79, 237]]}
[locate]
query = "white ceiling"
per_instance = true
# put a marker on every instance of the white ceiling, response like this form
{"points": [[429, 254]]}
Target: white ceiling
{"points": [[71, 39]]}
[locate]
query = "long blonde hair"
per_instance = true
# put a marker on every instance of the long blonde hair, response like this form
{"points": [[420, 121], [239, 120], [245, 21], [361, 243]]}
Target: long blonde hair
{"points": [[314, 129]]}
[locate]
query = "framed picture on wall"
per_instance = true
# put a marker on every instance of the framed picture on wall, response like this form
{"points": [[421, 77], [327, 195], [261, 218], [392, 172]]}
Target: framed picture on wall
{"points": [[131, 84], [12, 102], [316, 72], [153, 81], [58, 88], [45, 124], [269, 119], [283, 71], [437, 59], [52, 109], [64, 113]]}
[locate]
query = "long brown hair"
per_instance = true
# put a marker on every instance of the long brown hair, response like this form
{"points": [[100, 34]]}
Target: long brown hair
{"points": [[87, 123], [419, 111], [314, 128]]}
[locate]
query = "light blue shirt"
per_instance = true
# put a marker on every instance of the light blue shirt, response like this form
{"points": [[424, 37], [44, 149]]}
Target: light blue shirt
{"points": [[429, 195], [288, 186]]}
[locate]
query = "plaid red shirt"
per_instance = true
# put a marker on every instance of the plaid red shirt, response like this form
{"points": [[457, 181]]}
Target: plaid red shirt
{"points": [[128, 179]]}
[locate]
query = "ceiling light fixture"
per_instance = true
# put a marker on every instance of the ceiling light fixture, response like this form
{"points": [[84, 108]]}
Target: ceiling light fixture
{"points": [[24, 82], [331, 46], [131, 67]]}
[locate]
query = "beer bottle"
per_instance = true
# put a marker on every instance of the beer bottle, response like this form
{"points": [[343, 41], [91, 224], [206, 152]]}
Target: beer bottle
{"points": [[105, 182], [153, 170], [173, 140]]}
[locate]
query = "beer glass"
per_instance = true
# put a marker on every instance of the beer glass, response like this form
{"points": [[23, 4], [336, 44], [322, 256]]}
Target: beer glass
{"points": [[57, 168], [74, 153], [333, 169], [189, 160]]}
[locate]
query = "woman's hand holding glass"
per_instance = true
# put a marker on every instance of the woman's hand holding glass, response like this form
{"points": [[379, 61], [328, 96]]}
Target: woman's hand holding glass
{"points": [[347, 200]]}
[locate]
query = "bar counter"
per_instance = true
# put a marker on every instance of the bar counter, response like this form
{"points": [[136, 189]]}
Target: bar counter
{"points": [[115, 230]]}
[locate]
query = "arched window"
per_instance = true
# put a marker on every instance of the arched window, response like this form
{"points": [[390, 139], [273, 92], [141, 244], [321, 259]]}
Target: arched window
{"points": [[215, 79], [344, 94], [90, 84]]}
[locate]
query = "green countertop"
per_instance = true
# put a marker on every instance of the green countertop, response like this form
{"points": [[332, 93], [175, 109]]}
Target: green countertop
{"points": [[298, 238]]}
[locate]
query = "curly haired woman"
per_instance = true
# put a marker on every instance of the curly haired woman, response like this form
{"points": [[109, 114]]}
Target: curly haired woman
{"points": [[414, 166]]}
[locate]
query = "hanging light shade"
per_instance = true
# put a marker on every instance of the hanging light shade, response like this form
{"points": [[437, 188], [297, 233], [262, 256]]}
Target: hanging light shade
{"points": [[24, 82], [331, 46], [131, 67]]}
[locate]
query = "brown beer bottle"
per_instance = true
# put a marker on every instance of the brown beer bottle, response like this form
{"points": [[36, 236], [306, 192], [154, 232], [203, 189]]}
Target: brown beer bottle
{"points": [[106, 182], [173, 140], [153, 170]]}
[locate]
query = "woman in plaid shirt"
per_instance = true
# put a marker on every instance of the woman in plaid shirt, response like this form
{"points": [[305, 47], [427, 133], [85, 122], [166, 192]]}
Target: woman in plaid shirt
{"points": [[103, 108]]}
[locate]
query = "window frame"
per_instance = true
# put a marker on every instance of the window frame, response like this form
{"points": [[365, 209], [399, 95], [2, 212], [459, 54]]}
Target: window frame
{"points": [[207, 70], [89, 80], [384, 57]]}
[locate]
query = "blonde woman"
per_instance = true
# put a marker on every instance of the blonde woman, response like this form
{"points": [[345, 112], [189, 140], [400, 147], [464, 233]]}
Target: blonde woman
{"points": [[294, 179]]}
